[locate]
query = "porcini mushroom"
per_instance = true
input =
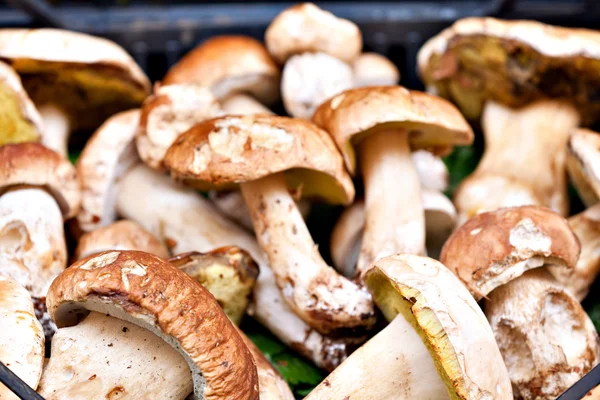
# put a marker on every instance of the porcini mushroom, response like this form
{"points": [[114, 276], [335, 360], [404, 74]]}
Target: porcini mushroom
{"points": [[76, 80], [372, 69], [39, 189], [154, 333], [438, 344], [545, 336], [386, 122], [120, 235], [509, 72], [19, 119], [316, 48], [583, 164], [263, 153], [440, 218], [21, 336]]}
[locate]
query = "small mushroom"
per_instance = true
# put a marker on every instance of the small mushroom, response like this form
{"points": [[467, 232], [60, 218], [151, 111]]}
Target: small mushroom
{"points": [[120, 235], [385, 123], [531, 83], [545, 336], [142, 320], [76, 80], [317, 60], [432, 171], [264, 154], [228, 273], [21, 336], [583, 164], [372, 69], [19, 119], [440, 218], [438, 344]]}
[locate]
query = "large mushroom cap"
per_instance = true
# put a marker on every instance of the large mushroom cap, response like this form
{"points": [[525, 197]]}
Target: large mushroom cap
{"points": [[32, 164], [513, 63], [21, 336], [90, 78], [305, 28], [228, 65], [153, 294], [19, 119], [350, 116], [496, 247], [234, 149], [583, 164]]}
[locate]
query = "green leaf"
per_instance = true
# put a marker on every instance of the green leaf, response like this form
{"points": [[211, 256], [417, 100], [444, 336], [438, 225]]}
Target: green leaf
{"points": [[73, 156], [461, 162], [594, 313]]}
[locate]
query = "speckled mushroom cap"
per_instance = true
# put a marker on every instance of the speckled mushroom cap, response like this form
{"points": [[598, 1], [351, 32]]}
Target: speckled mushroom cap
{"points": [[19, 119], [305, 28], [234, 149], [583, 164], [227, 65], [433, 123], [496, 247], [153, 294], [21, 336], [120, 235], [89, 77], [32, 164], [513, 63], [449, 321]]}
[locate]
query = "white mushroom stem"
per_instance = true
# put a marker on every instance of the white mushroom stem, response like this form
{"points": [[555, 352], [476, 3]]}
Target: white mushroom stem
{"points": [[57, 128], [188, 222], [241, 104], [394, 364], [395, 220], [316, 292], [105, 357]]}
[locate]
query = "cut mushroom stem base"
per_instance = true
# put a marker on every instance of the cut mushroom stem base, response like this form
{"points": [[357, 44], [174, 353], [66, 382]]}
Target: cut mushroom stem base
{"points": [[395, 220], [320, 296], [106, 357], [57, 128], [393, 364]]}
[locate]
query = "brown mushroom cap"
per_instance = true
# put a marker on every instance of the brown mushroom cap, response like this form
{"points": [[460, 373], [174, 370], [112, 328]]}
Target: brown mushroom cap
{"points": [[513, 63], [431, 121], [228, 65], [305, 28], [90, 78], [34, 165], [373, 69], [583, 164], [233, 149], [149, 292], [496, 247], [19, 119], [120, 235]]}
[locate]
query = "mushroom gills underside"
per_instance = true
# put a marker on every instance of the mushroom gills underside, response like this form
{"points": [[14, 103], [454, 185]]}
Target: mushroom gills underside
{"points": [[14, 126]]}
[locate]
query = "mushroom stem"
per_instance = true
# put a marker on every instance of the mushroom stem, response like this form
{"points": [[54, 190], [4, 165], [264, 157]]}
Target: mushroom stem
{"points": [[316, 292], [393, 364], [395, 223], [57, 128], [106, 357], [243, 104]]}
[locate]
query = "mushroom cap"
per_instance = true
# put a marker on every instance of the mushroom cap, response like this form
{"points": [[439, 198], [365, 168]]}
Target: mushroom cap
{"points": [[496, 247], [228, 273], [583, 164], [218, 153], [450, 322], [167, 113], [21, 336], [120, 235], [305, 28], [146, 290], [228, 65], [547, 339], [513, 63], [90, 78], [373, 69], [106, 156], [432, 122], [33, 164], [19, 119]]}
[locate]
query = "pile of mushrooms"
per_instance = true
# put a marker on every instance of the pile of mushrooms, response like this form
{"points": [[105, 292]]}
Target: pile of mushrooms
{"points": [[186, 214]]}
